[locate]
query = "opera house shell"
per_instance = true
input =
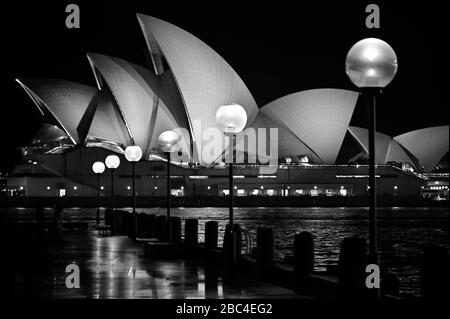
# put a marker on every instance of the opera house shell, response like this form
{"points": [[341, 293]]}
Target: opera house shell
{"points": [[132, 105]]}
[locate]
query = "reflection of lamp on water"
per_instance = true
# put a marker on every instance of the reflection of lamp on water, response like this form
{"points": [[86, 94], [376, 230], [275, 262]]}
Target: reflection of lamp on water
{"points": [[98, 168], [371, 65], [168, 143], [231, 119], [133, 154]]}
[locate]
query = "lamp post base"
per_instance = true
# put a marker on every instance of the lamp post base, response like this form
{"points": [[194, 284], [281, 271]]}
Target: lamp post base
{"points": [[232, 243]]}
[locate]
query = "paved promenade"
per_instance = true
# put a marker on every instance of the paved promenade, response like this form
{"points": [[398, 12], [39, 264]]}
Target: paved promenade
{"points": [[114, 267]]}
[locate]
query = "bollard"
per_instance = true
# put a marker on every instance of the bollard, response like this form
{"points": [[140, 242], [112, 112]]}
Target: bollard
{"points": [[352, 266], [140, 225], [145, 230], [303, 259], [108, 216], [232, 243], [435, 272], [191, 233], [264, 246], [151, 225], [211, 234], [175, 229], [130, 224], [123, 222], [126, 224], [160, 229]]}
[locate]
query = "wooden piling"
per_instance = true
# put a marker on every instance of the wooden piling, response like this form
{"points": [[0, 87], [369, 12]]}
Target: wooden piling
{"points": [[435, 272], [160, 231], [175, 229], [352, 266], [211, 234], [191, 232]]}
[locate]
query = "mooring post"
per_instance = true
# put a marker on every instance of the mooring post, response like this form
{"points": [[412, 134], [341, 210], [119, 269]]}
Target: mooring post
{"points": [[175, 229], [435, 272], [151, 225], [161, 227], [211, 234], [191, 233], [264, 249], [303, 258], [232, 243], [352, 266]]}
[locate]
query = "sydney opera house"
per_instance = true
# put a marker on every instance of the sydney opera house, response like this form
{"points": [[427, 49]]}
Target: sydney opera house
{"points": [[318, 152]]}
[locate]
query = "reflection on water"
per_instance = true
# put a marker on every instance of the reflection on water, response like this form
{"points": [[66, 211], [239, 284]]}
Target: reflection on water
{"points": [[402, 232]]}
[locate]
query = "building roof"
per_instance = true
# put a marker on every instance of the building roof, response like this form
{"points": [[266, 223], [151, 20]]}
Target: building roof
{"points": [[319, 118], [386, 148], [204, 79], [66, 101], [188, 83], [428, 145]]}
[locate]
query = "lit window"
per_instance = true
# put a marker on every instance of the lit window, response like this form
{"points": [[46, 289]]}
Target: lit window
{"points": [[240, 192], [255, 192], [270, 192], [198, 177], [299, 191]]}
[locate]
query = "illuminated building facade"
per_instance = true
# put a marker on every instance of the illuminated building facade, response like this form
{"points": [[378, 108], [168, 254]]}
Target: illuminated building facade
{"points": [[132, 105]]}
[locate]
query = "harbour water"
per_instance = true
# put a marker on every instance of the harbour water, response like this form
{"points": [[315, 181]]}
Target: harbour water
{"points": [[402, 232]]}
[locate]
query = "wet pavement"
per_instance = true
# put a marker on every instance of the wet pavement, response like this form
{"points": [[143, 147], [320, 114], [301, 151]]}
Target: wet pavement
{"points": [[114, 267]]}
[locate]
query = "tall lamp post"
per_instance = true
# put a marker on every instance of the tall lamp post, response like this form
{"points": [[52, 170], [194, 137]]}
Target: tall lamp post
{"points": [[168, 143], [371, 65], [133, 154], [112, 162], [231, 119], [98, 168]]}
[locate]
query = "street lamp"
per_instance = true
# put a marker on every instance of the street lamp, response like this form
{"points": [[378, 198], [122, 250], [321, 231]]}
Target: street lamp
{"points": [[168, 143], [98, 168], [231, 119], [133, 154], [112, 162], [371, 65]]}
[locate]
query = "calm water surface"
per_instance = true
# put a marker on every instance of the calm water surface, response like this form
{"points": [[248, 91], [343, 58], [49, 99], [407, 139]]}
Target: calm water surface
{"points": [[402, 232]]}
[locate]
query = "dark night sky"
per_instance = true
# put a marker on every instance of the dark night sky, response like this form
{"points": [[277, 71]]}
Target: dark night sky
{"points": [[277, 49]]}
